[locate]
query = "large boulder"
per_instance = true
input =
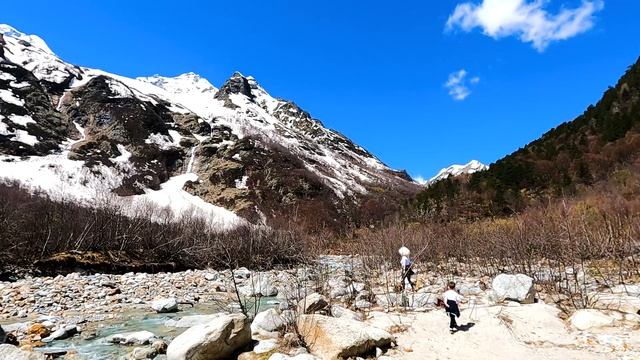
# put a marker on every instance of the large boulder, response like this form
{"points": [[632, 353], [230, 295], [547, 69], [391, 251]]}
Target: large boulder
{"points": [[10, 352], [267, 321], [217, 339], [312, 303], [2, 335], [514, 287], [585, 319], [165, 305], [334, 338]]}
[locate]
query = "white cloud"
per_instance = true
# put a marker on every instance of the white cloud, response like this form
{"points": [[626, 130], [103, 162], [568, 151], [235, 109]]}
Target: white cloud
{"points": [[458, 84], [526, 19]]}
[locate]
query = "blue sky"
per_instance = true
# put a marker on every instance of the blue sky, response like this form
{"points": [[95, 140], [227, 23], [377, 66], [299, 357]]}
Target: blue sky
{"points": [[375, 71]]}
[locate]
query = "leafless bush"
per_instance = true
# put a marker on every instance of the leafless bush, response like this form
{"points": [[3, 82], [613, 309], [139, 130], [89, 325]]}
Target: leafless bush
{"points": [[33, 227], [557, 245]]}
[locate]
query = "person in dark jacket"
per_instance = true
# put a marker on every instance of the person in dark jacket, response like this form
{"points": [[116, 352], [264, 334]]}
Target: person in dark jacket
{"points": [[406, 264], [451, 305]]}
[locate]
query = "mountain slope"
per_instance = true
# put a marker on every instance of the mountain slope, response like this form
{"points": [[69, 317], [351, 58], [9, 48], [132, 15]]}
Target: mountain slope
{"points": [[228, 154], [601, 147]]}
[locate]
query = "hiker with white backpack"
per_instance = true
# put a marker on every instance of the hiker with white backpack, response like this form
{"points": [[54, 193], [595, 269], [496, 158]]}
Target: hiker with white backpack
{"points": [[406, 265]]}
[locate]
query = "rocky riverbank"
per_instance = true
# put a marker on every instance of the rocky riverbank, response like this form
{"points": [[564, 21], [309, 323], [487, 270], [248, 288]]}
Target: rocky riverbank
{"points": [[308, 312]]}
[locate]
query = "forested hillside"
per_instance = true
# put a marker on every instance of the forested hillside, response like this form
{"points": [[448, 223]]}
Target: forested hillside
{"points": [[598, 149]]}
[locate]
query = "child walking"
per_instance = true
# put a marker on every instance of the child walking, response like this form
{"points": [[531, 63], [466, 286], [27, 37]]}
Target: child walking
{"points": [[451, 302]]}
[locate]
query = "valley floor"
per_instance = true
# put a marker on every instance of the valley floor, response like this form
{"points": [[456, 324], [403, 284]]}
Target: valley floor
{"points": [[88, 315]]}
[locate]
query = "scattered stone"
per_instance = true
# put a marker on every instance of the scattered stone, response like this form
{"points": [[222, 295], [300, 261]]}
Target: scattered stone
{"points": [[17, 327], [160, 346], [312, 303], [11, 352], [342, 312], [191, 320], [165, 305], [514, 287], [38, 329], [141, 353], [132, 338], [618, 302], [267, 321], [585, 319], [265, 346], [215, 340], [279, 356], [64, 332]]}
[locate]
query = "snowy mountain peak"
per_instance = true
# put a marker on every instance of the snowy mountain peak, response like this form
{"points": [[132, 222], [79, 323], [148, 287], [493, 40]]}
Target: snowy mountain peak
{"points": [[8, 30], [457, 170], [32, 40], [185, 83]]}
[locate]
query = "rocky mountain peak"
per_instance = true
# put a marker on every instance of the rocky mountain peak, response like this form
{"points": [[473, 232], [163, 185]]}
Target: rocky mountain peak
{"points": [[236, 84]]}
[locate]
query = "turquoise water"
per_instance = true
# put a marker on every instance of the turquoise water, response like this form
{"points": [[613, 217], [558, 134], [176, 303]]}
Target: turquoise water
{"points": [[95, 348]]}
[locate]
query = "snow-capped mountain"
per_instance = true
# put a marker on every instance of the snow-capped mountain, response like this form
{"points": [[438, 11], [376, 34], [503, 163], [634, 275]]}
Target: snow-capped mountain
{"points": [[230, 154], [457, 170]]}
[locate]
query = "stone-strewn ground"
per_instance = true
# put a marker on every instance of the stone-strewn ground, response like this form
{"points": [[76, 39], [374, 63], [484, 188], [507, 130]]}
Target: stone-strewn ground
{"points": [[73, 308]]}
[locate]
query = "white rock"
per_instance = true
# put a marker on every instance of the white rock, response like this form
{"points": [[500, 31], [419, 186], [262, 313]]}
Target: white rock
{"points": [[342, 312], [279, 356], [61, 333], [132, 338], [191, 320], [264, 346], [141, 353], [215, 340], [165, 305], [585, 319], [10, 352], [242, 273], [514, 287], [17, 327], [267, 321], [619, 302], [633, 290], [312, 303], [332, 338]]}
